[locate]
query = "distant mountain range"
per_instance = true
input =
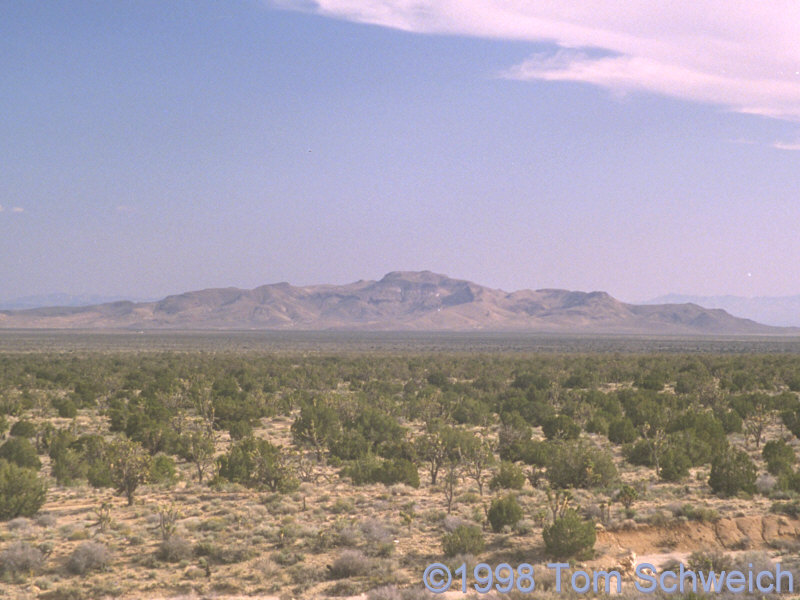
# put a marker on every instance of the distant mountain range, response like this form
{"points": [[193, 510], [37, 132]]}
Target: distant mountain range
{"points": [[411, 301], [60, 299], [782, 311]]}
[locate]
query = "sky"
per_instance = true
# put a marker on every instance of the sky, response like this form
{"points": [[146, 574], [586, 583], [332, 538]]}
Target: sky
{"points": [[151, 148]]}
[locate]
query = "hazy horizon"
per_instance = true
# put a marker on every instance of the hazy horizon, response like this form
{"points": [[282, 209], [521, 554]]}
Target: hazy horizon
{"points": [[153, 149]]}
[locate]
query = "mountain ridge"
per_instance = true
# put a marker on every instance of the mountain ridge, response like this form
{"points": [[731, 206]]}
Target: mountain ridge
{"points": [[781, 311], [401, 300]]}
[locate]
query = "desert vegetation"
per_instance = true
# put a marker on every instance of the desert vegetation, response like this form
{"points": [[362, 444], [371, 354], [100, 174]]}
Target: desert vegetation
{"points": [[153, 474]]}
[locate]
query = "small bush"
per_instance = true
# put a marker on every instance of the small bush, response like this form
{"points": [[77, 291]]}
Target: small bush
{"points": [[465, 539], [504, 511], [509, 477], [732, 472], [174, 549], [350, 563], [569, 536], [627, 495], [20, 557], [89, 556]]}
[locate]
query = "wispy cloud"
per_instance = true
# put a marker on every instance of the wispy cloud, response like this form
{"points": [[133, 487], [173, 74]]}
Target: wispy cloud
{"points": [[17, 209], [743, 56], [786, 145]]}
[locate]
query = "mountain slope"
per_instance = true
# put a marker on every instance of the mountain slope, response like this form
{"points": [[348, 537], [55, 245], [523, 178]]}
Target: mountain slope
{"points": [[399, 301], [772, 310]]}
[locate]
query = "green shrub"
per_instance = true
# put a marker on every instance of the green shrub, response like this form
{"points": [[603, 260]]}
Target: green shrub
{"points": [[504, 511], [627, 495], [371, 469], [640, 453], [163, 469], [22, 492], [464, 539], [579, 465], [622, 431], [509, 477], [257, 463], [779, 456], [23, 429], [674, 464], [597, 424], [569, 536], [732, 472], [560, 427], [21, 452], [66, 408], [239, 430]]}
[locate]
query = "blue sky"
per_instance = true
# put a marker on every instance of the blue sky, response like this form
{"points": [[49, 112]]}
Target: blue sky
{"points": [[152, 148]]}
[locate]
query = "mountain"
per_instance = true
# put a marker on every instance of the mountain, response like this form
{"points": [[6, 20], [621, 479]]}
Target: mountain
{"points": [[783, 311], [400, 301], [57, 299]]}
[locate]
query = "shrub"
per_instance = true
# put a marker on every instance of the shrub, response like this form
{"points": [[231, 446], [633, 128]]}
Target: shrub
{"points": [[779, 457], [163, 469], [21, 452], [465, 539], [597, 424], [732, 472], [674, 464], [622, 431], [627, 495], [174, 549], [350, 563], [22, 493], [569, 536], [239, 430], [66, 408], [509, 477], [504, 511], [129, 466], [560, 427], [579, 465], [257, 463], [370, 469], [23, 429], [89, 556], [640, 453], [20, 557]]}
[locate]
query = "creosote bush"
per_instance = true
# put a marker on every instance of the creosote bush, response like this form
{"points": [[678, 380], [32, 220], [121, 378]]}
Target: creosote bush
{"points": [[20, 557], [464, 539], [350, 563], [89, 556]]}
